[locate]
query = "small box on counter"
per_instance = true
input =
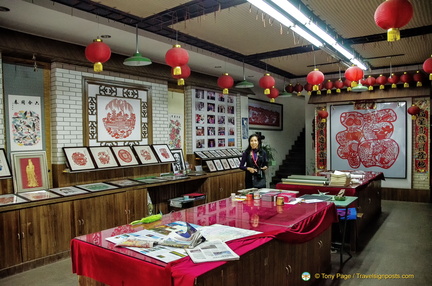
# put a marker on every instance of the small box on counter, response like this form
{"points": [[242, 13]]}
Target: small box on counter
{"points": [[270, 196]]}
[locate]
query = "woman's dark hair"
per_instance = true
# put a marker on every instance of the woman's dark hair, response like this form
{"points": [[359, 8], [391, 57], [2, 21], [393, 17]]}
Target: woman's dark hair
{"points": [[248, 149]]}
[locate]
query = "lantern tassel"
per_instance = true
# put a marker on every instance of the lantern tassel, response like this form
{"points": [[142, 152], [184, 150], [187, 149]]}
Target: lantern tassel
{"points": [[382, 86], [419, 84], [177, 70], [394, 85], [180, 81], [309, 93], [328, 91], [97, 67], [413, 117], [267, 91], [430, 76], [338, 90], [225, 91], [319, 92], [370, 87], [315, 87], [323, 120], [406, 85], [349, 88], [272, 100], [393, 34]]}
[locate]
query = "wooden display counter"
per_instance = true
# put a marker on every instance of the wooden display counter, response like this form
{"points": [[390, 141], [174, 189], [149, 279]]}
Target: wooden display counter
{"points": [[294, 239]]}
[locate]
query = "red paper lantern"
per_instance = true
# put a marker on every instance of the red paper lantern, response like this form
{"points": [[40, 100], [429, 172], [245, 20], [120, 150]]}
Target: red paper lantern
{"points": [[354, 74], [298, 88], [266, 82], [274, 92], [406, 78], [418, 77], [225, 81], [381, 80], [348, 83], [393, 79], [370, 81], [338, 84], [427, 67], [413, 110], [176, 57], [392, 15], [329, 85], [98, 52], [289, 88], [323, 114], [315, 78], [185, 73], [308, 87]]}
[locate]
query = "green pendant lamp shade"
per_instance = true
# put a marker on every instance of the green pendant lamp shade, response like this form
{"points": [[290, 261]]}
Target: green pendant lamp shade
{"points": [[137, 59], [244, 83]]}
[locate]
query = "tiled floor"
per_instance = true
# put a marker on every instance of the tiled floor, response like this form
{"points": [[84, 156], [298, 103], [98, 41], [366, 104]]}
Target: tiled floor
{"points": [[399, 243]]}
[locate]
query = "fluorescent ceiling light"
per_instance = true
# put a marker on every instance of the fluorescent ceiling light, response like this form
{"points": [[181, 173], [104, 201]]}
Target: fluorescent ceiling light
{"points": [[307, 36], [359, 64]]}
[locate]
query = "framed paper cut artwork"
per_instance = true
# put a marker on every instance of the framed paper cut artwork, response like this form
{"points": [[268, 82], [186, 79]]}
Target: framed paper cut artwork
{"points": [[103, 157], [145, 154], [164, 153], [78, 158], [5, 170], [68, 191], [124, 183], [125, 156], [38, 195], [218, 165], [30, 171], [10, 199], [265, 115], [225, 164], [179, 164], [211, 166], [96, 187]]}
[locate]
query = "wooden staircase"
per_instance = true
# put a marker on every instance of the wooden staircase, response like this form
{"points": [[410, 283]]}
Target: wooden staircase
{"points": [[294, 162]]}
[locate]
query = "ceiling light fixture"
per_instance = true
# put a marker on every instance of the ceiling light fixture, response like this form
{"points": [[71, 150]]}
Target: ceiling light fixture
{"points": [[137, 59], [244, 83]]}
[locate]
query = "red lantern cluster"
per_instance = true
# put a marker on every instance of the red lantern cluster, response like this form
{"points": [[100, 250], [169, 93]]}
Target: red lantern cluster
{"points": [[329, 85], [308, 87], [339, 84], [392, 15], [427, 67], [393, 79], [405, 78], [274, 92], [298, 88], [354, 74], [414, 110], [267, 82], [323, 114], [381, 80], [369, 82], [176, 58], [418, 78], [225, 82], [185, 73], [315, 78], [98, 52]]}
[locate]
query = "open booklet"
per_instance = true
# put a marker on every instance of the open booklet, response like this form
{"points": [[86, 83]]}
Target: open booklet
{"points": [[215, 250]]}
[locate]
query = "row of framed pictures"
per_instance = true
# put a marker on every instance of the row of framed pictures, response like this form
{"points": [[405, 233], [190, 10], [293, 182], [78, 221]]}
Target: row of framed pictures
{"points": [[102, 157], [223, 164], [221, 153]]}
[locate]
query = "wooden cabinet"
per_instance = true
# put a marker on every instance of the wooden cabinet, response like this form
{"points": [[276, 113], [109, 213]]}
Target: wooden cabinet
{"points": [[135, 204], [35, 232]]}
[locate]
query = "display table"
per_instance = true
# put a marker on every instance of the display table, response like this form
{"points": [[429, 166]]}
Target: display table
{"points": [[283, 228]]}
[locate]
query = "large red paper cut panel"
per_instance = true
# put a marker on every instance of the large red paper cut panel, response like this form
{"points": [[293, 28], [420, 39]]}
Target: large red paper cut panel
{"points": [[367, 140]]}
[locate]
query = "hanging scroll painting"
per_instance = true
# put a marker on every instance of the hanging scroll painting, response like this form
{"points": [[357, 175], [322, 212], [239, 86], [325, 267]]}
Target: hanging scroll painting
{"points": [[369, 138]]}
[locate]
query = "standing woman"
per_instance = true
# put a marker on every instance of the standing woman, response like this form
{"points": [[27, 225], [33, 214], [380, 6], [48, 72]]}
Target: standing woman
{"points": [[254, 162]]}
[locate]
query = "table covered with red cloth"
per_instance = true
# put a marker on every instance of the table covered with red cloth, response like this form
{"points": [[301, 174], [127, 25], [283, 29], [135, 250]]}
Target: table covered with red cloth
{"points": [[95, 257], [351, 190]]}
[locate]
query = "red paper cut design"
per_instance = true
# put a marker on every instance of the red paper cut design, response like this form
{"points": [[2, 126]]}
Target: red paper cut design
{"points": [[120, 119], [146, 155], [103, 157], [367, 139], [79, 158], [125, 155], [421, 142]]}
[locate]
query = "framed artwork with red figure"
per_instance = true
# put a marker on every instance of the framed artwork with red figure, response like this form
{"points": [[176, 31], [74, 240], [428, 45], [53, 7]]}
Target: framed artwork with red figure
{"points": [[30, 171], [125, 156], [265, 115]]}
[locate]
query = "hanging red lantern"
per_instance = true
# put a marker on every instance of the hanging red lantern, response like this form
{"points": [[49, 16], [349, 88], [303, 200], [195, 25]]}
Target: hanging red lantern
{"points": [[266, 82], [370, 81], [176, 57], [427, 67], [339, 84], [381, 80], [274, 92], [225, 81], [308, 87], [289, 88], [348, 83], [393, 79], [298, 88], [354, 74], [329, 85], [406, 78], [414, 110], [98, 52], [392, 15], [185, 73], [315, 77], [323, 114], [418, 77]]}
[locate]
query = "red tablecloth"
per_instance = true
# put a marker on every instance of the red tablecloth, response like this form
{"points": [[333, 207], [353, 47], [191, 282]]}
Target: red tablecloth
{"points": [[349, 191], [93, 256]]}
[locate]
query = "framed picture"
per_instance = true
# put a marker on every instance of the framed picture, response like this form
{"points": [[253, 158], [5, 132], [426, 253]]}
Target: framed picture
{"points": [[225, 164], [218, 165], [211, 166], [103, 157], [179, 164], [164, 153], [145, 154], [5, 170], [68, 191], [78, 158], [38, 195], [232, 163], [208, 154], [30, 171], [10, 199], [265, 115], [125, 156], [96, 187], [124, 183], [201, 155]]}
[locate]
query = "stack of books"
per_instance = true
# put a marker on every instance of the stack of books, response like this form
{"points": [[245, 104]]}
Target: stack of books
{"points": [[306, 180], [339, 180]]}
